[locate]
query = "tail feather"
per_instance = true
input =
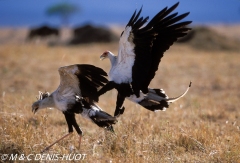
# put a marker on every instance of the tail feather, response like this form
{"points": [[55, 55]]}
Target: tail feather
{"points": [[156, 99], [103, 119], [177, 98], [104, 116]]}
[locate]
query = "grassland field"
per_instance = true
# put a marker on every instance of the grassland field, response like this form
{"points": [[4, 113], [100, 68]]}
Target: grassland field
{"points": [[203, 126]]}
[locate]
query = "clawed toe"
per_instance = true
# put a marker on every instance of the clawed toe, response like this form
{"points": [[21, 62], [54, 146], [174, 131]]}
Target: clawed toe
{"points": [[119, 111]]}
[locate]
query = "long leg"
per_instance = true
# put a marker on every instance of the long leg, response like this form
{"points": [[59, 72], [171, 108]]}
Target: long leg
{"points": [[48, 147], [110, 85], [119, 109], [71, 122], [77, 128]]}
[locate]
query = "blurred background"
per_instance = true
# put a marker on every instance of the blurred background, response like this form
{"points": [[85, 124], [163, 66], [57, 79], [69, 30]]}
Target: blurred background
{"points": [[28, 13], [75, 22]]}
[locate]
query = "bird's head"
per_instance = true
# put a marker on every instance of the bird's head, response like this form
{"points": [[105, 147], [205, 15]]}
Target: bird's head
{"points": [[44, 100], [106, 54]]}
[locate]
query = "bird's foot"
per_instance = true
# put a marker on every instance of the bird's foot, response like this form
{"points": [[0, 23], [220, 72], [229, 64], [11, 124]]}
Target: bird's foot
{"points": [[119, 111], [45, 149], [110, 128]]}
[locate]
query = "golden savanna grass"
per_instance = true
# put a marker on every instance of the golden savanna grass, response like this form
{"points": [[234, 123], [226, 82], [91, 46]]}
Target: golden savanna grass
{"points": [[204, 126]]}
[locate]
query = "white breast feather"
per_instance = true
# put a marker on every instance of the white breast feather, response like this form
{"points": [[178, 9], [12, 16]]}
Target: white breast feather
{"points": [[121, 72], [134, 98], [87, 113]]}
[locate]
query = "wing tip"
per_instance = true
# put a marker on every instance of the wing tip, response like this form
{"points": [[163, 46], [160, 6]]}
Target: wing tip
{"points": [[176, 4]]}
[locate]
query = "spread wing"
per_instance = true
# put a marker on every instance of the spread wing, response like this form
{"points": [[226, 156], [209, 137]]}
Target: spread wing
{"points": [[168, 29], [81, 79], [142, 47]]}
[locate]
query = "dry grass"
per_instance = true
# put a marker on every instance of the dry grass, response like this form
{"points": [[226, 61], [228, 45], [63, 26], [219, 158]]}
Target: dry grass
{"points": [[204, 126]]}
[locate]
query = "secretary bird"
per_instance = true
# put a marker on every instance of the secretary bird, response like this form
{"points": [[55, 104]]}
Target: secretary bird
{"points": [[141, 48], [77, 93]]}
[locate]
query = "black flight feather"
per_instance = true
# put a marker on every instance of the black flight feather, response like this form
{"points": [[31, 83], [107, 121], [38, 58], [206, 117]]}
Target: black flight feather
{"points": [[90, 79], [151, 41]]}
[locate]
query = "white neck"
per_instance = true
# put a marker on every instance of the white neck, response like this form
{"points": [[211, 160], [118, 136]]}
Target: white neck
{"points": [[112, 58]]}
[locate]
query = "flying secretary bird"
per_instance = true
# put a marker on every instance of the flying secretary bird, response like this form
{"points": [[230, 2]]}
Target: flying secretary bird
{"points": [[76, 94], [141, 48]]}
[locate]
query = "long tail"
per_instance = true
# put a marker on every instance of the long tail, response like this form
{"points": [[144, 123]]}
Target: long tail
{"points": [[170, 100], [103, 119], [156, 99]]}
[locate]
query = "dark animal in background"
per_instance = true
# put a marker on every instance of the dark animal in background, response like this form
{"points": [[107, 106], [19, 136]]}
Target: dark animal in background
{"points": [[43, 32], [89, 34]]}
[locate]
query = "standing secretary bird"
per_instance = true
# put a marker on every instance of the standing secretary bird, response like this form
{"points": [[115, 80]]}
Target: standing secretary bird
{"points": [[76, 94], [141, 48]]}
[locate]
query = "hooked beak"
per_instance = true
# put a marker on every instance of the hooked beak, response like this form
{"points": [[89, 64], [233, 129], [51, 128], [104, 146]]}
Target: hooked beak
{"points": [[35, 108], [102, 57]]}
